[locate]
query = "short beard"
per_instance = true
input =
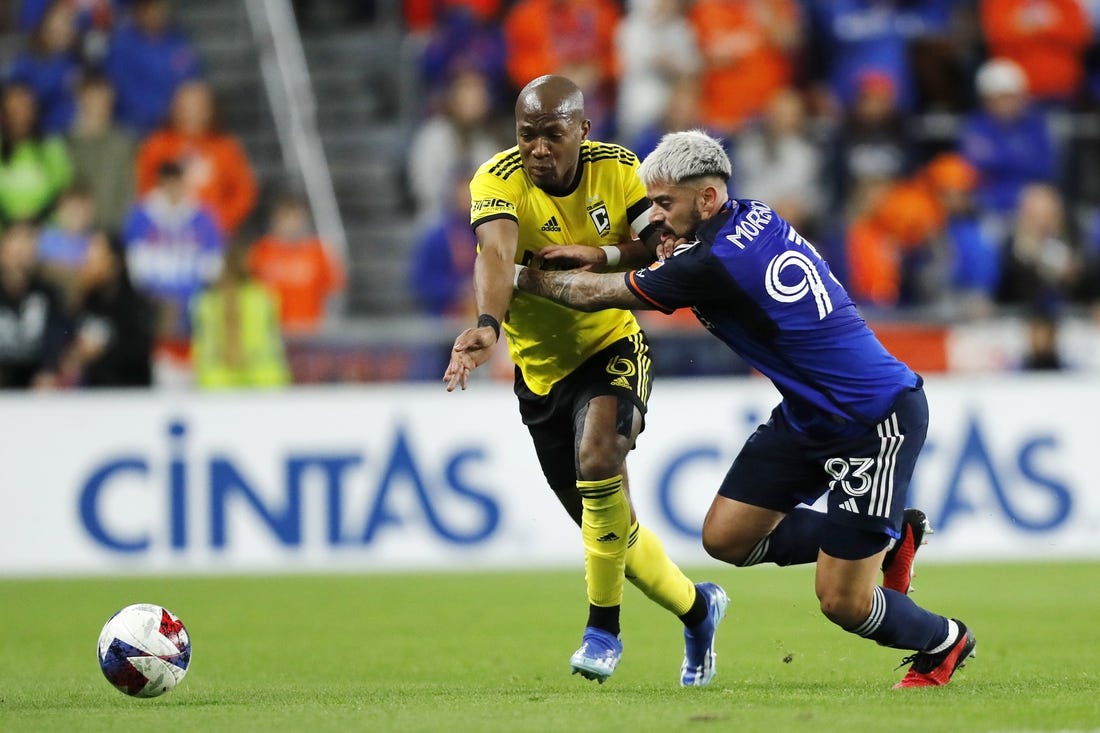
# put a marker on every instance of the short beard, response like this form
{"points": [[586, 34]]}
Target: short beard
{"points": [[696, 221]]}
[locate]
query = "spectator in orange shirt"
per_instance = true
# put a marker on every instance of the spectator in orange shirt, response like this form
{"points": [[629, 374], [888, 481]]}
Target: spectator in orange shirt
{"points": [[892, 248], [295, 264], [746, 47], [574, 38], [215, 167], [1048, 38]]}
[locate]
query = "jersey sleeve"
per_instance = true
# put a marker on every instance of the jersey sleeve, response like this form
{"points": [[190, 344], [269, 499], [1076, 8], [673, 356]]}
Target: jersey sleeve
{"points": [[685, 279], [491, 198], [637, 204]]}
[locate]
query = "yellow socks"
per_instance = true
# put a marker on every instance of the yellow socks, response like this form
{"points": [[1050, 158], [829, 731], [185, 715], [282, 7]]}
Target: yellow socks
{"points": [[654, 573], [614, 548], [605, 525]]}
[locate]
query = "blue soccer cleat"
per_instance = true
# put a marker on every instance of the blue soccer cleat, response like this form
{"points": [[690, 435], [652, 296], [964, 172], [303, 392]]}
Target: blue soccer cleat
{"points": [[598, 656], [698, 668]]}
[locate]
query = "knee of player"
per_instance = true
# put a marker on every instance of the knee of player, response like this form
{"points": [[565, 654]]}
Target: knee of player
{"points": [[843, 607], [722, 547], [595, 463]]}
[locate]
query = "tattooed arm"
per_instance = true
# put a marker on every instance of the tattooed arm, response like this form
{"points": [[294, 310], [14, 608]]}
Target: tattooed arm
{"points": [[584, 291]]}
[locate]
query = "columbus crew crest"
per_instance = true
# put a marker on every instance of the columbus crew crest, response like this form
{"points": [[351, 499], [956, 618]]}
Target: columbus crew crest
{"points": [[597, 212]]}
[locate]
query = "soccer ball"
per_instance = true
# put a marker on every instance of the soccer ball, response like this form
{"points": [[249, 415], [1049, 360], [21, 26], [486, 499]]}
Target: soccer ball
{"points": [[144, 650]]}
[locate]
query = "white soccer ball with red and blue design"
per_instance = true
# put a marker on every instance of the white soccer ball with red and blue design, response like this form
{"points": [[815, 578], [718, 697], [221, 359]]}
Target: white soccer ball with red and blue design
{"points": [[144, 650]]}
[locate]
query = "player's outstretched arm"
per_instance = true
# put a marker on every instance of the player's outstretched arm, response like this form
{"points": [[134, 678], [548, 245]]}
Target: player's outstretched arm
{"points": [[494, 272], [471, 349], [585, 291]]}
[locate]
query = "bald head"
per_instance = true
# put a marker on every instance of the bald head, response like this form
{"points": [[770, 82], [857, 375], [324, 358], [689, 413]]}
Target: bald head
{"points": [[551, 95], [550, 128]]}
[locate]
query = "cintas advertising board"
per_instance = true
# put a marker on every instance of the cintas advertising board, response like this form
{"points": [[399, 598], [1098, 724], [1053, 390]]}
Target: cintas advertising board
{"points": [[408, 477]]}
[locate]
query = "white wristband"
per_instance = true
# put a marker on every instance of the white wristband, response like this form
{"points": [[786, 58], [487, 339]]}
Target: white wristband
{"points": [[614, 254], [515, 279]]}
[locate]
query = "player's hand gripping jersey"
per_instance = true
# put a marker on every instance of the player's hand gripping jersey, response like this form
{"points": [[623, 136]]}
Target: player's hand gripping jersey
{"points": [[547, 340], [756, 284]]}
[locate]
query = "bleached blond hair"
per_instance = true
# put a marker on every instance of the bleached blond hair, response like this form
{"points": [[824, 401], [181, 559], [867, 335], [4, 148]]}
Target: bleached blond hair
{"points": [[684, 155]]}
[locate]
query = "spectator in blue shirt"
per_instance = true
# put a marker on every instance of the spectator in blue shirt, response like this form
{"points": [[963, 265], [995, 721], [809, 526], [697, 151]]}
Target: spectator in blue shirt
{"points": [[974, 268], [1007, 140], [463, 41], [147, 61], [63, 243], [51, 68], [443, 264], [173, 249], [849, 37]]}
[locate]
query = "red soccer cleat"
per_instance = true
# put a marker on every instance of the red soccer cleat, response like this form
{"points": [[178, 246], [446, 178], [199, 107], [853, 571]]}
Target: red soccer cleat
{"points": [[935, 670], [897, 565]]}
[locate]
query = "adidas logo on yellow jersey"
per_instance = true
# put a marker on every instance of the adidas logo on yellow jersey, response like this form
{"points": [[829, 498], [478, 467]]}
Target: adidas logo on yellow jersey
{"points": [[551, 225]]}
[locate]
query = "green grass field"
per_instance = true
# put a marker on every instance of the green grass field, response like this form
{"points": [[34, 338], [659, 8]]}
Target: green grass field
{"points": [[489, 652]]}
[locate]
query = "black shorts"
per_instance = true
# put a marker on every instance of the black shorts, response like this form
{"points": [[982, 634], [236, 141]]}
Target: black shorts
{"points": [[867, 475], [623, 369]]}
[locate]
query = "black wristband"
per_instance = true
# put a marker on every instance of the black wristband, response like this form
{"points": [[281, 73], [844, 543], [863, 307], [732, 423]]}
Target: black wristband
{"points": [[487, 320]]}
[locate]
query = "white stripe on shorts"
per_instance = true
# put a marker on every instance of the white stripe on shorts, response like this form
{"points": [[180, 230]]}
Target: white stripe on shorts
{"points": [[882, 487]]}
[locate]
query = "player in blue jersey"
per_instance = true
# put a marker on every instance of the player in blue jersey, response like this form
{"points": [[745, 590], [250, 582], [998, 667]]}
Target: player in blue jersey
{"points": [[851, 422]]}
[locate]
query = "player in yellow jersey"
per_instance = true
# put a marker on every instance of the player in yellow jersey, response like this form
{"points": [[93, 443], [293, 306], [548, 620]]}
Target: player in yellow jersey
{"points": [[582, 379]]}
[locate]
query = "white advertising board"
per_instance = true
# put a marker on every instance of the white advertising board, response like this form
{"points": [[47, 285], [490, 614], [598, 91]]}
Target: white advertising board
{"points": [[408, 477]]}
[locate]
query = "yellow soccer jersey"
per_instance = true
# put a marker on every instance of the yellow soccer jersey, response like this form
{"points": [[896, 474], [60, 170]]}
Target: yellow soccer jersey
{"points": [[546, 340]]}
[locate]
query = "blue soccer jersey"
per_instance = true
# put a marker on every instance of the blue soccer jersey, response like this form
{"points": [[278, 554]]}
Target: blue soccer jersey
{"points": [[756, 284]]}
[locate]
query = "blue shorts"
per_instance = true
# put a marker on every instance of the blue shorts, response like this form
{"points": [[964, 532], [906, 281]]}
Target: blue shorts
{"points": [[867, 475]]}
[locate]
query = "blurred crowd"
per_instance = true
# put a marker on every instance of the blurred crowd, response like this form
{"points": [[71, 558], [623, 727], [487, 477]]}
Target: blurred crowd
{"points": [[944, 155], [122, 202]]}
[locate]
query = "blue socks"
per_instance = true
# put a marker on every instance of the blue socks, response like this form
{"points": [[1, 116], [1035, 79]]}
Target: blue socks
{"points": [[897, 622], [795, 540]]}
